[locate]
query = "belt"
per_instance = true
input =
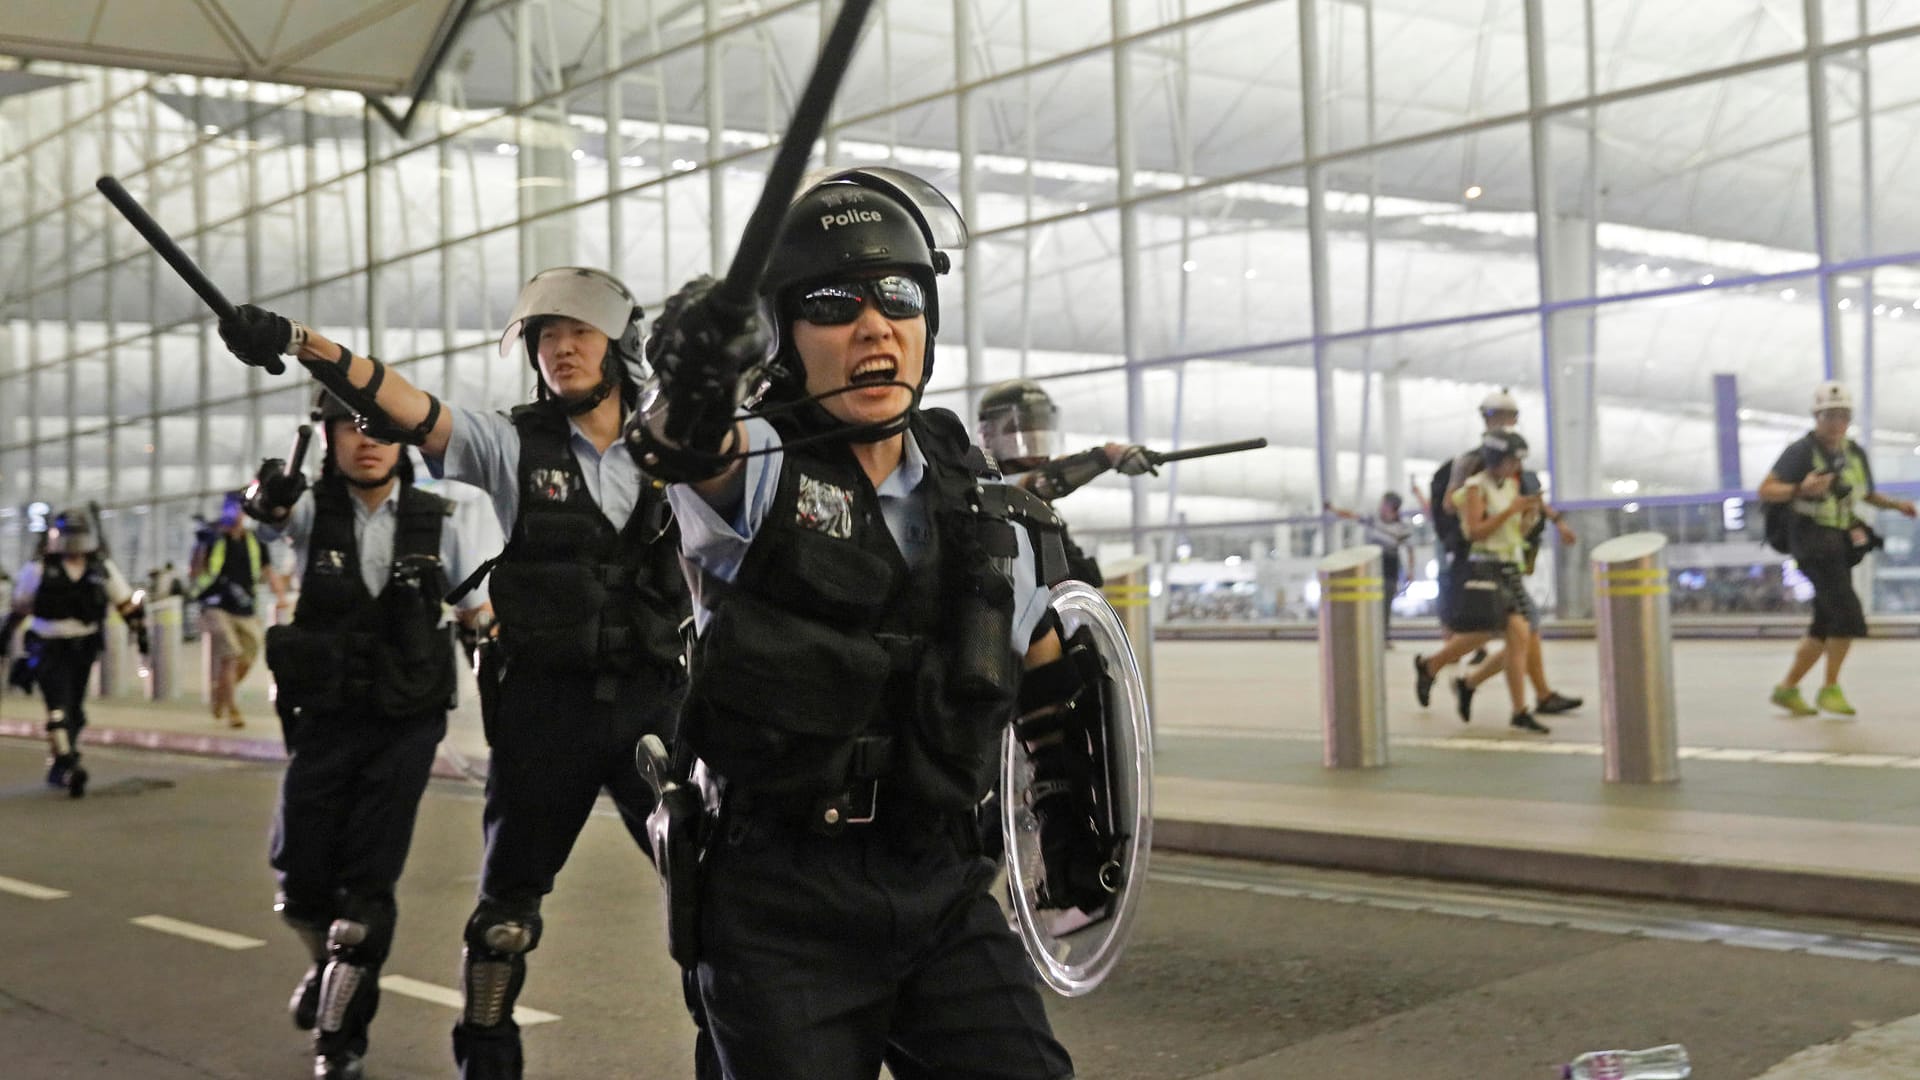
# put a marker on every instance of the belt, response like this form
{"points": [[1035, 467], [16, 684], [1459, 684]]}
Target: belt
{"points": [[829, 815]]}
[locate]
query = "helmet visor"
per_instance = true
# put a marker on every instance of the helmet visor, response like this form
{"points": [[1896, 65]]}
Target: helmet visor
{"points": [[1021, 434], [575, 293]]}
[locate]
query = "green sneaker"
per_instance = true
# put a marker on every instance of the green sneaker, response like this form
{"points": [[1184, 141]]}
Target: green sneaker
{"points": [[1832, 700], [1788, 698]]}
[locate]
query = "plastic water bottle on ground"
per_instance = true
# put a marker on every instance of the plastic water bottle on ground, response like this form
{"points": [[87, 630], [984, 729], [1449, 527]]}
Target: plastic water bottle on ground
{"points": [[1659, 1063]]}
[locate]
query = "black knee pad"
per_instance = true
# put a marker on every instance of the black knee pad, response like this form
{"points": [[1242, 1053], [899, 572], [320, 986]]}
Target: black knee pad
{"points": [[503, 929], [362, 930], [499, 935]]}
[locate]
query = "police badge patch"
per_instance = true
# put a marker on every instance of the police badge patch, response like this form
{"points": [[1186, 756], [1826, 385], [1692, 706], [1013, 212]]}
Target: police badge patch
{"points": [[328, 562], [824, 508], [553, 485]]}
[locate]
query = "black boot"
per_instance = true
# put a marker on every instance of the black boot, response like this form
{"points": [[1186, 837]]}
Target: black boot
{"points": [[341, 1065], [304, 1006]]}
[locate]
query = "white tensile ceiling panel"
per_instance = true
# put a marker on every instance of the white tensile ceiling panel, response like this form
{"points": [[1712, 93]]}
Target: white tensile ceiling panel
{"points": [[371, 46]]}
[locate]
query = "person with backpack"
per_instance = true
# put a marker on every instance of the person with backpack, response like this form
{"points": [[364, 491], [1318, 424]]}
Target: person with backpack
{"points": [[1812, 494], [1492, 599]]}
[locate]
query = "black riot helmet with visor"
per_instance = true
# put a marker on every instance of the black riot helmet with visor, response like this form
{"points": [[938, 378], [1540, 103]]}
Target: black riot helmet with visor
{"points": [[838, 241], [1019, 425], [596, 298], [329, 410], [71, 533]]}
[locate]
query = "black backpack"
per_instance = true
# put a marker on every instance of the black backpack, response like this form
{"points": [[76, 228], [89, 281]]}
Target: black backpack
{"points": [[1778, 518], [1446, 522]]}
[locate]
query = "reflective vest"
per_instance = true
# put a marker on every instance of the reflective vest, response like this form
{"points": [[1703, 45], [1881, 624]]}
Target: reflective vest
{"points": [[217, 588]]}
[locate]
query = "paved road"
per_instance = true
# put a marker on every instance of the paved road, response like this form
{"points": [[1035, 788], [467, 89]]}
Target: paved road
{"points": [[1237, 971]]}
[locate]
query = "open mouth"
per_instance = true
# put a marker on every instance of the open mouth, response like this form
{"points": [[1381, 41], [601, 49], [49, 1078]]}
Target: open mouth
{"points": [[876, 371]]}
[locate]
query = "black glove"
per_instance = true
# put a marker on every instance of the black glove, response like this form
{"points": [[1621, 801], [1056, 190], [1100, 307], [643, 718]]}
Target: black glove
{"points": [[273, 492], [1136, 462], [258, 337], [137, 622], [699, 346], [1071, 850]]}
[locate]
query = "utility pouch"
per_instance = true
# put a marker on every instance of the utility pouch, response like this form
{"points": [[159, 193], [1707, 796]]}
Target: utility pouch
{"points": [[777, 698], [318, 672], [549, 614], [489, 664]]}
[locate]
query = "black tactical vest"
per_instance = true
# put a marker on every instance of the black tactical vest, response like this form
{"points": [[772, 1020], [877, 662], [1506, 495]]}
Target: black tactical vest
{"points": [[828, 662], [572, 594], [61, 597], [349, 651]]}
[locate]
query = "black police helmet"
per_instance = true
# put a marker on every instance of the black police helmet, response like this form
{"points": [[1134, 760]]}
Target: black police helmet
{"points": [[326, 411], [856, 221], [71, 533], [1018, 424]]}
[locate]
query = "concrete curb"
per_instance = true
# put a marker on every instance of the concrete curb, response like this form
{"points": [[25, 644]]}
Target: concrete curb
{"points": [[244, 747], [1783, 889], [1770, 888]]}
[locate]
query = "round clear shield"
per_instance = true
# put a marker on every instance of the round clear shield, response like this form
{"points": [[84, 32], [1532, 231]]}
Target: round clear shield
{"points": [[1075, 949]]}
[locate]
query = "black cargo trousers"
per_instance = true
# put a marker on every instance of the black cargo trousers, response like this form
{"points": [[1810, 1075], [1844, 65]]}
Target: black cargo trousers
{"points": [[558, 740]]}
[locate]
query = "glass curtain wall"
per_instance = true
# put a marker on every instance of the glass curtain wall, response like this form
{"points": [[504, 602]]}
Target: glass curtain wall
{"points": [[1337, 224]]}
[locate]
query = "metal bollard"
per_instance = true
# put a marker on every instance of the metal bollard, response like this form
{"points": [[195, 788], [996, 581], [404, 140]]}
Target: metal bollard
{"points": [[1128, 590], [166, 622], [1635, 634], [1353, 659], [117, 670]]}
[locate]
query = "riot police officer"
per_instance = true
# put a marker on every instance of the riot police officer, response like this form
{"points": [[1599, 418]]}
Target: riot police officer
{"points": [[66, 593], [588, 594], [863, 608], [365, 676], [1018, 427]]}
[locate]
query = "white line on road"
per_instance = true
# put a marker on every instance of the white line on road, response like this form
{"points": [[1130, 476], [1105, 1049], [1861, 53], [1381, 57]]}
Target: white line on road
{"points": [[205, 934], [31, 891], [440, 995]]}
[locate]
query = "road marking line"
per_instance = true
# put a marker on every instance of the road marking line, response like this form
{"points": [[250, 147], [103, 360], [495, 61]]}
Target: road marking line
{"points": [[440, 995], [194, 931], [31, 891]]}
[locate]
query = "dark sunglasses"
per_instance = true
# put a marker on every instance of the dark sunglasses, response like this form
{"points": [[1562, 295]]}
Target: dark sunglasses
{"points": [[838, 303]]}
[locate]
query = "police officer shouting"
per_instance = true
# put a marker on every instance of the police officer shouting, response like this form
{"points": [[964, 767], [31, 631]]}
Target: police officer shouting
{"points": [[1018, 428], [365, 676], [66, 593], [862, 616], [588, 594]]}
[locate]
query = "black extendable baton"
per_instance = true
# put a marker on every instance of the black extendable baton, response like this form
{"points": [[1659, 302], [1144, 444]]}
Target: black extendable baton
{"points": [[1210, 450], [182, 264], [741, 287]]}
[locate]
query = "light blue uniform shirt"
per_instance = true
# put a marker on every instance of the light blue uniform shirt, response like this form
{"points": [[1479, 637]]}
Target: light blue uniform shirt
{"points": [[373, 534], [483, 449], [717, 545]]}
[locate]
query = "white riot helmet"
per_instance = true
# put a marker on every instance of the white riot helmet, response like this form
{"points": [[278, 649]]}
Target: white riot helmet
{"points": [[596, 298], [1831, 395], [71, 533], [1501, 400]]}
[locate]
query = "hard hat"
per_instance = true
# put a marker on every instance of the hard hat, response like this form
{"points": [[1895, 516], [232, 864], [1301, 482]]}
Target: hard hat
{"points": [[1831, 395]]}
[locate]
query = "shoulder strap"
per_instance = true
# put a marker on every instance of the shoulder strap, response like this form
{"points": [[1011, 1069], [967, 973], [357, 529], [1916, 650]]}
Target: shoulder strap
{"points": [[422, 515], [332, 520]]}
